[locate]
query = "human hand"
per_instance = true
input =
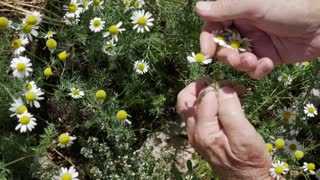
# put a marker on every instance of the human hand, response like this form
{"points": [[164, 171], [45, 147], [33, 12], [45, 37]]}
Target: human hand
{"points": [[281, 31], [219, 131]]}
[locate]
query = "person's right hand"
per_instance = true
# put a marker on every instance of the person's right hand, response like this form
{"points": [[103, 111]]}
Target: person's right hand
{"points": [[281, 31]]}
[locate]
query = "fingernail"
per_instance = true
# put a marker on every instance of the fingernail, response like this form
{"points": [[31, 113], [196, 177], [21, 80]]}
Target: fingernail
{"points": [[203, 6]]}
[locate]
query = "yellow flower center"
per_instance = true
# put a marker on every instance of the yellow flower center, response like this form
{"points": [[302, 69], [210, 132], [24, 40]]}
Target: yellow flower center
{"points": [[32, 20], [75, 92], [101, 95], [279, 170], [286, 165], [16, 43], [66, 176], [127, 3], [220, 37], [4, 22], [305, 64], [21, 67], [136, 4], [26, 28], [21, 109], [51, 43], [48, 72], [311, 110], [141, 67], [122, 115], [200, 57], [96, 23], [279, 143], [62, 56], [287, 115], [24, 120], [311, 166], [109, 47], [269, 147], [96, 2], [114, 30], [31, 96], [293, 147], [85, 4], [235, 44], [64, 138], [298, 154], [142, 21], [28, 86], [72, 8]]}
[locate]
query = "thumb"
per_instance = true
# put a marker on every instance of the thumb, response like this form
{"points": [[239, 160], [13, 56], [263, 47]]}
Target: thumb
{"points": [[223, 10]]}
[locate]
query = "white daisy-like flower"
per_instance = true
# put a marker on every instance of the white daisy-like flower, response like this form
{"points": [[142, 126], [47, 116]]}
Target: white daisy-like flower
{"points": [[29, 85], [287, 114], [96, 24], [310, 110], [21, 67], [5, 23], [278, 169], [127, 5], [18, 107], [138, 4], [220, 38], [292, 146], [18, 45], [67, 174], [28, 31], [71, 19], [285, 78], [309, 167], [86, 4], [76, 93], [74, 7], [141, 67], [49, 34], [32, 18], [33, 96], [26, 122], [97, 5], [237, 43], [199, 58], [65, 140], [122, 115], [142, 21], [109, 48], [114, 30]]}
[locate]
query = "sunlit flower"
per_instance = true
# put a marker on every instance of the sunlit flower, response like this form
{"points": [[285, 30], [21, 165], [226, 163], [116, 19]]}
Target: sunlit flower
{"points": [[63, 55], [278, 169], [279, 143], [109, 48], [101, 95], [97, 5], [47, 72], [18, 107], [67, 174], [76, 93], [18, 45], [33, 96], [49, 34], [26, 122], [5, 23], [285, 78], [51, 44], [96, 25], [73, 8], [309, 167], [21, 67], [142, 21], [114, 30], [141, 67], [32, 18], [199, 58], [28, 31], [292, 146], [287, 114], [122, 115], [220, 38], [310, 110], [138, 4], [65, 140]]}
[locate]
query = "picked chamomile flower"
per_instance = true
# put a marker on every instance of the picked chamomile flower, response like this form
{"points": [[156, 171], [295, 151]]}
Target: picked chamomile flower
{"points": [[109, 48], [47, 72], [96, 24], [288, 114], [28, 31], [298, 154], [18, 45], [285, 78], [67, 174], [18, 107], [278, 169], [142, 21], [279, 143], [76, 93], [310, 110], [114, 30], [71, 19], [237, 43], [199, 58], [5, 23], [49, 34], [26, 122], [292, 146], [62, 56], [29, 85], [97, 5], [220, 38], [32, 18], [33, 96], [309, 167], [51, 44], [73, 8], [101, 95], [21, 67], [122, 115], [141, 67], [65, 140], [138, 4]]}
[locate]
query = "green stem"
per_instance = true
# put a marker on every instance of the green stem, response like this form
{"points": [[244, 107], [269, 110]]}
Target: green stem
{"points": [[12, 162], [7, 90]]}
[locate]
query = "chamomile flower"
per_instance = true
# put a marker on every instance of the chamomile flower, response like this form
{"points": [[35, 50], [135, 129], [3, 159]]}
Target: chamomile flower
{"points": [[76, 93], [73, 8], [287, 114], [29, 85], [278, 169], [270, 148], [292, 146], [285, 78], [49, 34], [109, 48], [127, 5], [62, 56], [21, 67], [96, 25], [309, 167], [28, 31], [141, 67], [18, 107], [220, 38], [65, 140], [97, 5], [71, 19], [199, 58], [26, 122], [86, 4], [18, 45], [47, 72], [138, 4], [101, 95], [280, 143], [298, 154], [236, 42], [67, 174], [114, 30], [5, 23], [33, 96], [51, 45], [142, 21], [32, 18], [310, 110], [122, 115]]}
